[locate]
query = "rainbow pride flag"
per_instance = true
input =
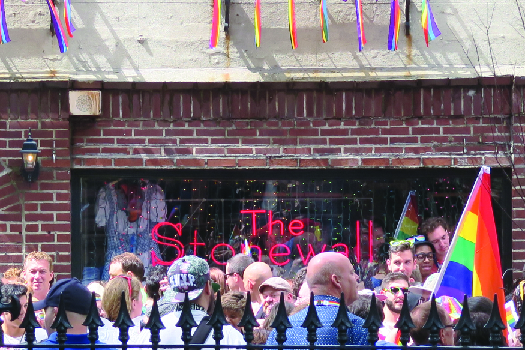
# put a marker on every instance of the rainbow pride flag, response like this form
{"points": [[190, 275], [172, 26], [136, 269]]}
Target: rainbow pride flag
{"points": [[291, 23], [472, 265], [428, 23], [395, 23], [257, 23], [57, 25], [360, 26], [324, 19], [215, 24], [409, 221], [4, 35], [511, 315], [67, 18]]}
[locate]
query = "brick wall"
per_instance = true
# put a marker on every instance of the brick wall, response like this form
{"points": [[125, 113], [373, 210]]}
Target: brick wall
{"points": [[459, 123]]}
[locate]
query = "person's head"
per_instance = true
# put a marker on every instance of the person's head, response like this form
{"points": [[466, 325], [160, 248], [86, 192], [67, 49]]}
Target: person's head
{"points": [[394, 286], [113, 294], [425, 255], [480, 336], [191, 274], [254, 275], [303, 297], [271, 290], [13, 275], [154, 276], [235, 267], [331, 273], [480, 304], [419, 317], [76, 300], [98, 288], [361, 307], [401, 258], [298, 281], [233, 304], [427, 288], [219, 277], [38, 273], [127, 264], [19, 291], [437, 232]]}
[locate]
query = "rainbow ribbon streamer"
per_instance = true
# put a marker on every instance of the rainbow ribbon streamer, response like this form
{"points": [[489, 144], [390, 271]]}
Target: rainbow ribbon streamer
{"points": [[428, 23], [216, 23], [59, 31], [257, 23], [360, 26], [324, 19], [291, 23], [395, 23], [67, 18], [3, 26]]}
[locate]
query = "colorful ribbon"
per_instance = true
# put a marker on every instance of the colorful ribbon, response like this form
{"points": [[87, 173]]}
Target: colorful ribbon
{"points": [[324, 19], [360, 26], [257, 23], [59, 31], [67, 18], [395, 22], [216, 23], [428, 23], [4, 35], [291, 23]]}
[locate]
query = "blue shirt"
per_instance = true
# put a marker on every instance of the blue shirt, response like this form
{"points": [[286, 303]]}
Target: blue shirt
{"points": [[71, 339], [326, 335]]}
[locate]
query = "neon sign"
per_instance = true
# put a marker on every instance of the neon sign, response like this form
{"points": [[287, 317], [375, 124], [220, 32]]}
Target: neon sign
{"points": [[278, 253]]}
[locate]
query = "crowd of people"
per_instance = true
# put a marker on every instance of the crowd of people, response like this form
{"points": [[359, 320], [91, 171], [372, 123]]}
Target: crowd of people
{"points": [[410, 269]]}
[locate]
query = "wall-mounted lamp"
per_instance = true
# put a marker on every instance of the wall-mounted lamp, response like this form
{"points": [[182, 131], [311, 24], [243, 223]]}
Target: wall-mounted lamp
{"points": [[30, 156]]}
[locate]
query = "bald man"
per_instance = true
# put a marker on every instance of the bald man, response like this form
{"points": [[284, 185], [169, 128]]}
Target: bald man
{"points": [[328, 275], [254, 275]]}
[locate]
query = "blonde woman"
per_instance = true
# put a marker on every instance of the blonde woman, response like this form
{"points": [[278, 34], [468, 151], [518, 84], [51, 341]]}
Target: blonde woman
{"points": [[111, 304]]}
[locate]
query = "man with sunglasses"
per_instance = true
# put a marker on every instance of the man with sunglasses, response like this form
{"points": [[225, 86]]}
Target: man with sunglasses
{"points": [[394, 287], [436, 231], [235, 267]]}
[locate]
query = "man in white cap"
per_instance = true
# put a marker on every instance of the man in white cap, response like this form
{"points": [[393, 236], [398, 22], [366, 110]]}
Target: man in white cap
{"points": [[191, 274], [271, 290]]}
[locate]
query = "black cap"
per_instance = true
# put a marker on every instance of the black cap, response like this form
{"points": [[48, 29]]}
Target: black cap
{"points": [[77, 298]]}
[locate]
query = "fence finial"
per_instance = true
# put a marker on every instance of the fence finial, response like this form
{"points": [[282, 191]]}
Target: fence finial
{"points": [[29, 322], [154, 323], [495, 324], [123, 321], [342, 321], [404, 323], [373, 321], [465, 326], [281, 322], [61, 323], [217, 320], [248, 320], [312, 322], [186, 321], [433, 324], [93, 320]]}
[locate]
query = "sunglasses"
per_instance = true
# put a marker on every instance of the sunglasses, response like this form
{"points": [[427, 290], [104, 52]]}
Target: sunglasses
{"points": [[400, 242], [395, 290], [129, 283], [424, 256]]}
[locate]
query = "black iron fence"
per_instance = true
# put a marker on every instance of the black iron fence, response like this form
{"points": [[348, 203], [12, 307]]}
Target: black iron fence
{"points": [[464, 327]]}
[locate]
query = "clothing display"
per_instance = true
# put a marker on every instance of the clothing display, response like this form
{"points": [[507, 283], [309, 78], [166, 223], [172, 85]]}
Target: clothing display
{"points": [[128, 213]]}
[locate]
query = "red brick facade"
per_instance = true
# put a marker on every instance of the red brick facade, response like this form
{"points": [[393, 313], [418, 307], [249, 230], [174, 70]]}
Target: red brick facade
{"points": [[457, 123]]}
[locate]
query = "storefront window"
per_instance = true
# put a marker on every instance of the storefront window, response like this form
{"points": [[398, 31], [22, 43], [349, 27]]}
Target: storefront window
{"points": [[283, 222]]}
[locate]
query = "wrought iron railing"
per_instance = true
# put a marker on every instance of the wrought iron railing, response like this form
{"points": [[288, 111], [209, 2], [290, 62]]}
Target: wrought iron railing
{"points": [[464, 326]]}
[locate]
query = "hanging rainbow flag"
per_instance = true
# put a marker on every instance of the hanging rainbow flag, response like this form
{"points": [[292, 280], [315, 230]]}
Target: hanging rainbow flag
{"points": [[246, 248], [57, 25], [4, 35], [428, 23], [409, 221], [291, 23], [472, 265], [215, 24], [257, 23], [324, 19], [67, 18], [360, 26], [395, 23]]}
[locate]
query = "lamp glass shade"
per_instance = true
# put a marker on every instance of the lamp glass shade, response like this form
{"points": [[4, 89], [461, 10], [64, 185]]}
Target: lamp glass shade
{"points": [[29, 160]]}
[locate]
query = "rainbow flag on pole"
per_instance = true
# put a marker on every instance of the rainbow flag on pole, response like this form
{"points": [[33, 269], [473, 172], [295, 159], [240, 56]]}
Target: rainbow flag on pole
{"points": [[472, 265], [4, 35], [430, 28], [409, 221], [395, 23], [360, 27]]}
